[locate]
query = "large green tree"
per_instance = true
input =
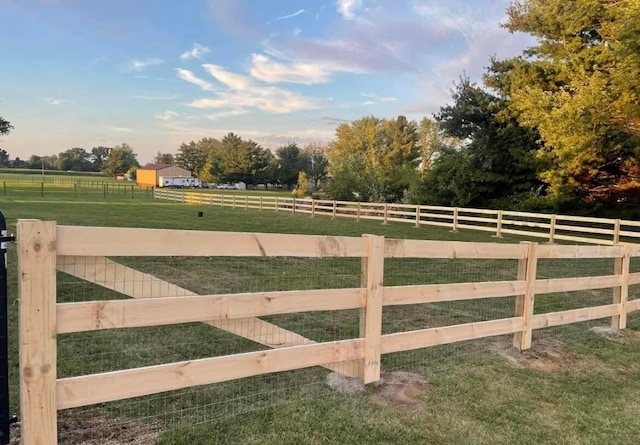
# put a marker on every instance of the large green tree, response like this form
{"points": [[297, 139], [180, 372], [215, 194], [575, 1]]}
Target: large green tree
{"points": [[317, 164], [121, 159], [98, 157], [500, 153], [193, 155], [238, 160], [291, 161], [580, 88], [373, 159], [76, 159], [163, 158]]}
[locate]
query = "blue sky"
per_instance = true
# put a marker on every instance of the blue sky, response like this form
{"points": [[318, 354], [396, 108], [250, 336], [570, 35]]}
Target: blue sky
{"points": [[156, 73]]}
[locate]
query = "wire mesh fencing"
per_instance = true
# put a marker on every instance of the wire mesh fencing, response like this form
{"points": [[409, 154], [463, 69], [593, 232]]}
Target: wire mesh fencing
{"points": [[84, 279], [120, 349]]}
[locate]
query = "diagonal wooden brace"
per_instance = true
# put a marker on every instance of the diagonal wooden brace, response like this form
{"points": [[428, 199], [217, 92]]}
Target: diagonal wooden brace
{"points": [[133, 283]]}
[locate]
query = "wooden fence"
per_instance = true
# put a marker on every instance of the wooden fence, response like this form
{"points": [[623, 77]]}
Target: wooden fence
{"points": [[602, 231], [45, 248]]}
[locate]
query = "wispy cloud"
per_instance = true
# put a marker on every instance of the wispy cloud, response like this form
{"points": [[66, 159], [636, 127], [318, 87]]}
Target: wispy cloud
{"points": [[242, 93], [377, 98], [225, 114], [348, 8], [196, 52], [167, 115], [288, 16], [271, 71], [145, 97], [188, 76], [52, 101], [137, 65], [231, 80], [121, 129]]}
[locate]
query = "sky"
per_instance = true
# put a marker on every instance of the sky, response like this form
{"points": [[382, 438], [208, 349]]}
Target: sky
{"points": [[157, 73]]}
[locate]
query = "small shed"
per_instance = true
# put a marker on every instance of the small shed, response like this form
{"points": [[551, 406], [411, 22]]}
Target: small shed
{"points": [[149, 175]]}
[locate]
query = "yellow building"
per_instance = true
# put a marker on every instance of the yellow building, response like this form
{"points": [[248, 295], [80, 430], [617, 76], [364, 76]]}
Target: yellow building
{"points": [[149, 175]]}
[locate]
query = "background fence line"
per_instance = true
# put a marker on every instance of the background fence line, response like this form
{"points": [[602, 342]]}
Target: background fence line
{"points": [[552, 227], [45, 247]]}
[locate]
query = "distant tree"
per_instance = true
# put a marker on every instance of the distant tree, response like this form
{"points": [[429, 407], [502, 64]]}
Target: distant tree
{"points": [[497, 160], [163, 158], [5, 126], [18, 163], [291, 160], [317, 163], [193, 155], [237, 160], [98, 157], [4, 158], [76, 159], [121, 159], [373, 159]]}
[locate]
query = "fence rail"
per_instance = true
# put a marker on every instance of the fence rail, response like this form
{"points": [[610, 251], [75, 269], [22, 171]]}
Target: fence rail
{"points": [[45, 248], [604, 231]]}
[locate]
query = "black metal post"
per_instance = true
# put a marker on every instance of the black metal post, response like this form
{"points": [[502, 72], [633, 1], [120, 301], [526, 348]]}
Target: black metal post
{"points": [[5, 418]]}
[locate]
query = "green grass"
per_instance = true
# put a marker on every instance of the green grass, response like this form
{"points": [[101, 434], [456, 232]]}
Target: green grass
{"points": [[474, 396]]}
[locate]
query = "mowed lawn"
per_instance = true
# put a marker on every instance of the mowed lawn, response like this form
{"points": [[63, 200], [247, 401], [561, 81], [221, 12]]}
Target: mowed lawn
{"points": [[577, 388]]}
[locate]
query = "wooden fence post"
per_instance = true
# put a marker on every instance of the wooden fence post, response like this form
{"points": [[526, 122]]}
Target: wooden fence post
{"points": [[454, 227], [418, 216], [294, 206], [37, 281], [371, 315], [334, 210], [358, 212], [527, 269], [616, 232], [313, 208], [552, 229], [261, 203], [621, 293], [499, 225], [386, 213], [277, 203]]}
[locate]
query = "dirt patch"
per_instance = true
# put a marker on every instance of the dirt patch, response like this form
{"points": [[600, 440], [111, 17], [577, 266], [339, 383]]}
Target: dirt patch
{"points": [[401, 390], [99, 429], [615, 334], [546, 354]]}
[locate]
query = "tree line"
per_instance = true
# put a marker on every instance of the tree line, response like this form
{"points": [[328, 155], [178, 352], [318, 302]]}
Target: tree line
{"points": [[111, 161], [233, 159]]}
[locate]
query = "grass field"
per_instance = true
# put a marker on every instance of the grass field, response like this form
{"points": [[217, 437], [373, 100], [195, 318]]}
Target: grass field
{"points": [[575, 387]]}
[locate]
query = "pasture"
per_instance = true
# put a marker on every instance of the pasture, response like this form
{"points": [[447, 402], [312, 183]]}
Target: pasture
{"points": [[575, 386]]}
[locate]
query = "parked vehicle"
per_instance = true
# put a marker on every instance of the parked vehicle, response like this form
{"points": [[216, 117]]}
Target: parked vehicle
{"points": [[179, 182]]}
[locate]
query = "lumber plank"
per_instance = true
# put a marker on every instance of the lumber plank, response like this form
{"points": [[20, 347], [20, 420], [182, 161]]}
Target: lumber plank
{"points": [[120, 241], [437, 293], [574, 316], [575, 284], [36, 241], [117, 385], [116, 314], [424, 338], [373, 308], [405, 248], [556, 251]]}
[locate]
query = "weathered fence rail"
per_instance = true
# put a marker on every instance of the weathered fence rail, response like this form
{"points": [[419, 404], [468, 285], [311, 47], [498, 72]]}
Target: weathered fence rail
{"points": [[45, 248], [551, 227]]}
